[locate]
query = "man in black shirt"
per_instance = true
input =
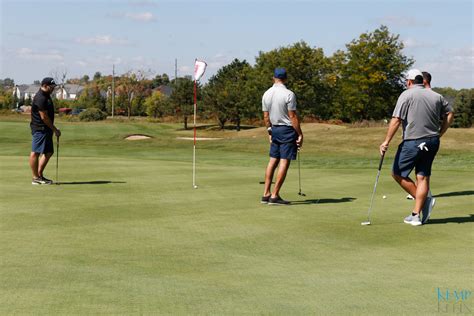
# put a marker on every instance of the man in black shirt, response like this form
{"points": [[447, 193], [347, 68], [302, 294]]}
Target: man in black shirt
{"points": [[42, 129]]}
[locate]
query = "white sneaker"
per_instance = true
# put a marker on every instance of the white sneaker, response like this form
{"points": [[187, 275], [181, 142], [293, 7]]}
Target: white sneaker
{"points": [[413, 220], [410, 197]]}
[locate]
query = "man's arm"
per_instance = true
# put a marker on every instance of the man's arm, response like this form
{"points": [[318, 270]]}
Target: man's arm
{"points": [[392, 129], [447, 120], [44, 116], [268, 124], [295, 122]]}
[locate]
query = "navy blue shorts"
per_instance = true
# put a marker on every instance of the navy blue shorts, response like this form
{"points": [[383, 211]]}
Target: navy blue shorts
{"points": [[418, 154], [42, 142], [283, 142]]}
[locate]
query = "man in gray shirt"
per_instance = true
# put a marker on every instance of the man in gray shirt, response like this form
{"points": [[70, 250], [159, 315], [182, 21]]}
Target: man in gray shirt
{"points": [[425, 116], [279, 113]]}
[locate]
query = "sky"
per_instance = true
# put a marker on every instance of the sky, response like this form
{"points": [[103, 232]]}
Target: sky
{"points": [[39, 38]]}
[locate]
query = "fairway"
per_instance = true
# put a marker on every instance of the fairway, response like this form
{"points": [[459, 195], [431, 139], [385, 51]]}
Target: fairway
{"points": [[125, 232]]}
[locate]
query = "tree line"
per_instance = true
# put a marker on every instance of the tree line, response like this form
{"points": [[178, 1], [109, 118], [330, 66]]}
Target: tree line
{"points": [[361, 82]]}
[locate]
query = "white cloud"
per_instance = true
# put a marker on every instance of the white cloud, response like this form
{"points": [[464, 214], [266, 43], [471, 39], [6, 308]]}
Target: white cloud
{"points": [[101, 40], [140, 17], [144, 17], [219, 60], [185, 69], [452, 68], [402, 21], [30, 54], [412, 43]]}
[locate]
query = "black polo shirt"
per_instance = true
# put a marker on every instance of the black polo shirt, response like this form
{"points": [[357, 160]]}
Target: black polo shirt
{"points": [[41, 102]]}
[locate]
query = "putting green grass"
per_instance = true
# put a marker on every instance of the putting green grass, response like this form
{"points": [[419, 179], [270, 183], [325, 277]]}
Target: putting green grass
{"points": [[125, 232]]}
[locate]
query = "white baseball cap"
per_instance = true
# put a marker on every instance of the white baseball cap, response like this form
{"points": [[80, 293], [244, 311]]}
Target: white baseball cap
{"points": [[412, 73]]}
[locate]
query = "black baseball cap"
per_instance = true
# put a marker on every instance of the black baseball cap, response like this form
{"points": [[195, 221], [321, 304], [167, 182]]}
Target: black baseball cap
{"points": [[48, 81]]}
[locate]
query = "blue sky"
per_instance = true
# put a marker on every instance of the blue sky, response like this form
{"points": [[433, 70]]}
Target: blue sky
{"points": [[82, 37]]}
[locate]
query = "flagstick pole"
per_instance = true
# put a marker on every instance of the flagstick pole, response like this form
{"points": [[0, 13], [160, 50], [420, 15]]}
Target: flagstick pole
{"points": [[194, 147]]}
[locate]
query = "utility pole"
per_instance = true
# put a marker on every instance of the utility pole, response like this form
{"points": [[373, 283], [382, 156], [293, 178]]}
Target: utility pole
{"points": [[176, 70], [113, 90]]}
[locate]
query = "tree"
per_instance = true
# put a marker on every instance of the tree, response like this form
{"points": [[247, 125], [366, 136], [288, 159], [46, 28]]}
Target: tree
{"points": [[97, 75], [307, 69], [371, 78], [131, 86], [85, 79], [91, 97], [463, 108], [7, 82], [156, 104], [182, 97], [225, 94], [160, 80], [7, 99]]}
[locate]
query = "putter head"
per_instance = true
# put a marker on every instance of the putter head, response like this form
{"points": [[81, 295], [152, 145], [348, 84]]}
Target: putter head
{"points": [[301, 193], [365, 223]]}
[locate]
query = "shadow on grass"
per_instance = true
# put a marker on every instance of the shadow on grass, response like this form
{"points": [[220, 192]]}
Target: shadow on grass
{"points": [[458, 193], [323, 201], [457, 220], [90, 182]]}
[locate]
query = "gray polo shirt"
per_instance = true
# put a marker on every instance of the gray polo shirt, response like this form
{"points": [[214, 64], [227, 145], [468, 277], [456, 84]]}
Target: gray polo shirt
{"points": [[278, 100], [421, 111]]}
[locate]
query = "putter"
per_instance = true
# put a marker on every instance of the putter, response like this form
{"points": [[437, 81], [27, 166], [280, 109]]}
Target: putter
{"points": [[57, 159], [299, 174], [373, 192]]}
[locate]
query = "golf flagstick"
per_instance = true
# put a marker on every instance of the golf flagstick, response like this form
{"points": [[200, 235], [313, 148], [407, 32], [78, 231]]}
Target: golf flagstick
{"points": [[199, 69], [57, 160], [373, 192]]}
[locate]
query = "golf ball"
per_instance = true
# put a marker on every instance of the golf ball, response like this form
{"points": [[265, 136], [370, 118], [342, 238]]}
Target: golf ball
{"points": [[384, 197], [195, 186]]}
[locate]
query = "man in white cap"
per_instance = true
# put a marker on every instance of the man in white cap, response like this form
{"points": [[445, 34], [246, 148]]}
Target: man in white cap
{"points": [[420, 112]]}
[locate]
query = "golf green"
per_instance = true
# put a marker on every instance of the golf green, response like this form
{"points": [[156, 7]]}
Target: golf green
{"points": [[125, 232]]}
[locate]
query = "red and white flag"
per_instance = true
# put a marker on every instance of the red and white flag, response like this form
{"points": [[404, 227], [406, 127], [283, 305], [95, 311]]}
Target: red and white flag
{"points": [[199, 69]]}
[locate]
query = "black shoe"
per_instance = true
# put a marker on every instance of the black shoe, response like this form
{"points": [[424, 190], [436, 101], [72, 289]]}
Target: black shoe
{"points": [[37, 181], [46, 181], [277, 201], [265, 199]]}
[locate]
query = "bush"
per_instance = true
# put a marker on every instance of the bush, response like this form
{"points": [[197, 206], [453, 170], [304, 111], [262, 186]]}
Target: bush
{"points": [[92, 114]]}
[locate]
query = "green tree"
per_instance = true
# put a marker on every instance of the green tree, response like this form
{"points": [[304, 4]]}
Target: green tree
{"points": [[7, 99], [91, 97], [463, 108], [97, 75], [182, 97], [371, 75], [308, 70], [159, 80], [132, 88], [225, 95], [156, 104]]}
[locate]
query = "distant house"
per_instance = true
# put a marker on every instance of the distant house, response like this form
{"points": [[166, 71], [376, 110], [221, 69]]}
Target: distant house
{"points": [[165, 90], [68, 91], [31, 91], [19, 90]]}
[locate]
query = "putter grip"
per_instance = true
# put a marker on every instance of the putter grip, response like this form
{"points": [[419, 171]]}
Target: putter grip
{"points": [[381, 161]]}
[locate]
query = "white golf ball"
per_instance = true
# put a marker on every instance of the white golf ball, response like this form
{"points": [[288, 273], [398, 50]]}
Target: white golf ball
{"points": [[384, 197], [195, 186]]}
